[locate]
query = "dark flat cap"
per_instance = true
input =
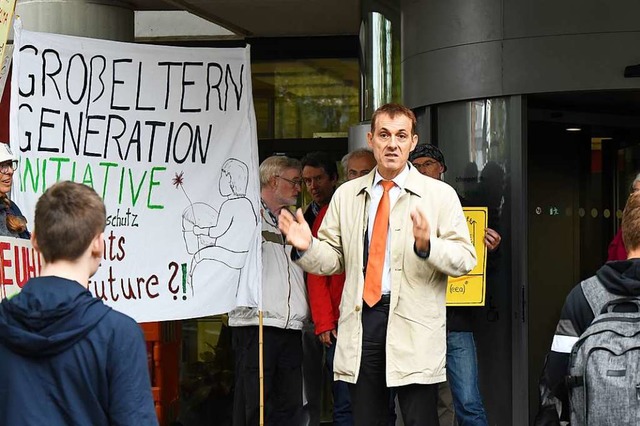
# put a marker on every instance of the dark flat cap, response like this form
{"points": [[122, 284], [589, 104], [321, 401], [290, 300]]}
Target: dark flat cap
{"points": [[428, 150]]}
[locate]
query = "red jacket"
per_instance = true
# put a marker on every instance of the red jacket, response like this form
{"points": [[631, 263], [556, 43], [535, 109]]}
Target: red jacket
{"points": [[325, 292]]}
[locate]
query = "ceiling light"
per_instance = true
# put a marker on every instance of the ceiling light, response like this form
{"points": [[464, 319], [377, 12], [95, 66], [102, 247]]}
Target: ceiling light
{"points": [[573, 129]]}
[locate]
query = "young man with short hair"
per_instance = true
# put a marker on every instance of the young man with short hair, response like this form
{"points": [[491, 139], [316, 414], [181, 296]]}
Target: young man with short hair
{"points": [[67, 359]]}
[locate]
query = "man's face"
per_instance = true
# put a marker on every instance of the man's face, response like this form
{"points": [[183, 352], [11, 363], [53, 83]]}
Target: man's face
{"points": [[391, 143], [636, 187], [428, 167], [287, 186], [360, 166], [319, 184]]}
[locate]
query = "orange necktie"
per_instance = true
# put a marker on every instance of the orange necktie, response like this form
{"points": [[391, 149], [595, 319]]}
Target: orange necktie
{"points": [[377, 249]]}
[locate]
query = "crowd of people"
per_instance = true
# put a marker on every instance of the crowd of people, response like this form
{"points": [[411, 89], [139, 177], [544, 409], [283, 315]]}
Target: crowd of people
{"points": [[353, 285], [373, 294]]}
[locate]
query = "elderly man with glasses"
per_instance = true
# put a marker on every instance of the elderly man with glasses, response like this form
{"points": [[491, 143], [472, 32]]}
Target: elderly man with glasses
{"points": [[285, 312]]}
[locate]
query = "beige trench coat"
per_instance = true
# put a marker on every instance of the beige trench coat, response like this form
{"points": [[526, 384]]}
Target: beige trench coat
{"points": [[416, 333]]}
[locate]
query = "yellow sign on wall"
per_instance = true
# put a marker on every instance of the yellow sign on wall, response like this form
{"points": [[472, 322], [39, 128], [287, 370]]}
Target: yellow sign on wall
{"points": [[469, 290], [6, 16]]}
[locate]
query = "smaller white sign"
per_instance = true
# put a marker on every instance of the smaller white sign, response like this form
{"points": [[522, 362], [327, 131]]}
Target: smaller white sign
{"points": [[19, 261]]}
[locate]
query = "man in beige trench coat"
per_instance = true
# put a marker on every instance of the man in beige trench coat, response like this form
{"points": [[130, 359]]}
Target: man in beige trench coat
{"points": [[398, 340]]}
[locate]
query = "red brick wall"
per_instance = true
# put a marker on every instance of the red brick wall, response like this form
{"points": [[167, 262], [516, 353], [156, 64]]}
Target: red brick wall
{"points": [[4, 111]]}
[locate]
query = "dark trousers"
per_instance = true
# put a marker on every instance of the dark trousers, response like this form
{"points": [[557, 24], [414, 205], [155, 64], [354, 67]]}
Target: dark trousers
{"points": [[370, 395], [312, 375], [282, 352]]}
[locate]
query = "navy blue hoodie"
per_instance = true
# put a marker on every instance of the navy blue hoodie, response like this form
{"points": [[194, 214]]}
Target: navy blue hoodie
{"points": [[67, 359]]}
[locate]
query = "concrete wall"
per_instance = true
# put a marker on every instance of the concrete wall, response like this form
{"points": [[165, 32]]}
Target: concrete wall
{"points": [[108, 20], [457, 49]]}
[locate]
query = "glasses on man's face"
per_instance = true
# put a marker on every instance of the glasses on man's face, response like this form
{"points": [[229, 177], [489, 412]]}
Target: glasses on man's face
{"points": [[294, 182], [424, 165], [8, 166]]}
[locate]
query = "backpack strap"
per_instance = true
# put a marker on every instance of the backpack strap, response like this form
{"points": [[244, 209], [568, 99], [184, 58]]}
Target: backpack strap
{"points": [[596, 294]]}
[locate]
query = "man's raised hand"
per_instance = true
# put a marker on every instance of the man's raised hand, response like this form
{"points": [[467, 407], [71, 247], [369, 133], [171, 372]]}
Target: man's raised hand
{"points": [[295, 229], [421, 230]]}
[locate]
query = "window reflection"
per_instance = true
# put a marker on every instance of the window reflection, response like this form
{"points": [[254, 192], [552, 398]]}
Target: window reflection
{"points": [[306, 98], [474, 138], [382, 56], [206, 372]]}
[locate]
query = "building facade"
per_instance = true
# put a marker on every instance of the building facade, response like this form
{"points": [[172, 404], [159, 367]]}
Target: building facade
{"points": [[536, 106]]}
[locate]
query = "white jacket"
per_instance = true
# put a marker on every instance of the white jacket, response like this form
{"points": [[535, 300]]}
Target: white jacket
{"points": [[284, 293]]}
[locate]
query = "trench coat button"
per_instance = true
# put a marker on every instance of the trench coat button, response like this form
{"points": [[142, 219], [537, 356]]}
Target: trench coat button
{"points": [[358, 308]]}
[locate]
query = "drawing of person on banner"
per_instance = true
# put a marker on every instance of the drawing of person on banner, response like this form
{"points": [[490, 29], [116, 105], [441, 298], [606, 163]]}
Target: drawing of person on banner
{"points": [[225, 238]]}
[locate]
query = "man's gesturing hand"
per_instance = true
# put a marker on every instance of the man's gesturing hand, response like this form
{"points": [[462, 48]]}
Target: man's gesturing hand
{"points": [[295, 229], [491, 239], [421, 230]]}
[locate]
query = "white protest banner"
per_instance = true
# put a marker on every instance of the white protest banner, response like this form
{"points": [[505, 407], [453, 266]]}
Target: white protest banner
{"points": [[167, 137], [18, 262]]}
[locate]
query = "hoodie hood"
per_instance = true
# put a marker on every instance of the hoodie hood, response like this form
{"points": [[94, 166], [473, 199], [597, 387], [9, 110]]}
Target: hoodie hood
{"points": [[48, 316], [621, 277]]}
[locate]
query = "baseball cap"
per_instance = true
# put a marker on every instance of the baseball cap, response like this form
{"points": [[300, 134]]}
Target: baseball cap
{"points": [[5, 153], [428, 150]]}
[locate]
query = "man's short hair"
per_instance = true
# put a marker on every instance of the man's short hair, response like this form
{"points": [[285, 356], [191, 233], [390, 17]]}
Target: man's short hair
{"points": [[392, 110], [356, 153], [631, 223], [68, 217], [273, 166], [321, 160]]}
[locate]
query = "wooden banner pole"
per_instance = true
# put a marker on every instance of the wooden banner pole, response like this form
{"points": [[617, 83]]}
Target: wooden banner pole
{"points": [[261, 367]]}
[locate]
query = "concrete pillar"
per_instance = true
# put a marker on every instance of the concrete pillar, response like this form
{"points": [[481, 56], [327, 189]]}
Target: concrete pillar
{"points": [[358, 135], [103, 19]]}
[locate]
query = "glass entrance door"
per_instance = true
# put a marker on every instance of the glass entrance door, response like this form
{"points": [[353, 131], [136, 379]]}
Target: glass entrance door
{"points": [[580, 163]]}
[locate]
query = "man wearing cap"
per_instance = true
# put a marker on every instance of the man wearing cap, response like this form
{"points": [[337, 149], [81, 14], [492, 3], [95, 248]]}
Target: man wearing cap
{"points": [[462, 364]]}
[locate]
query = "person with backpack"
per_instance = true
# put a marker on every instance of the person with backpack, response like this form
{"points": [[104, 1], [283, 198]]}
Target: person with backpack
{"points": [[590, 374]]}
